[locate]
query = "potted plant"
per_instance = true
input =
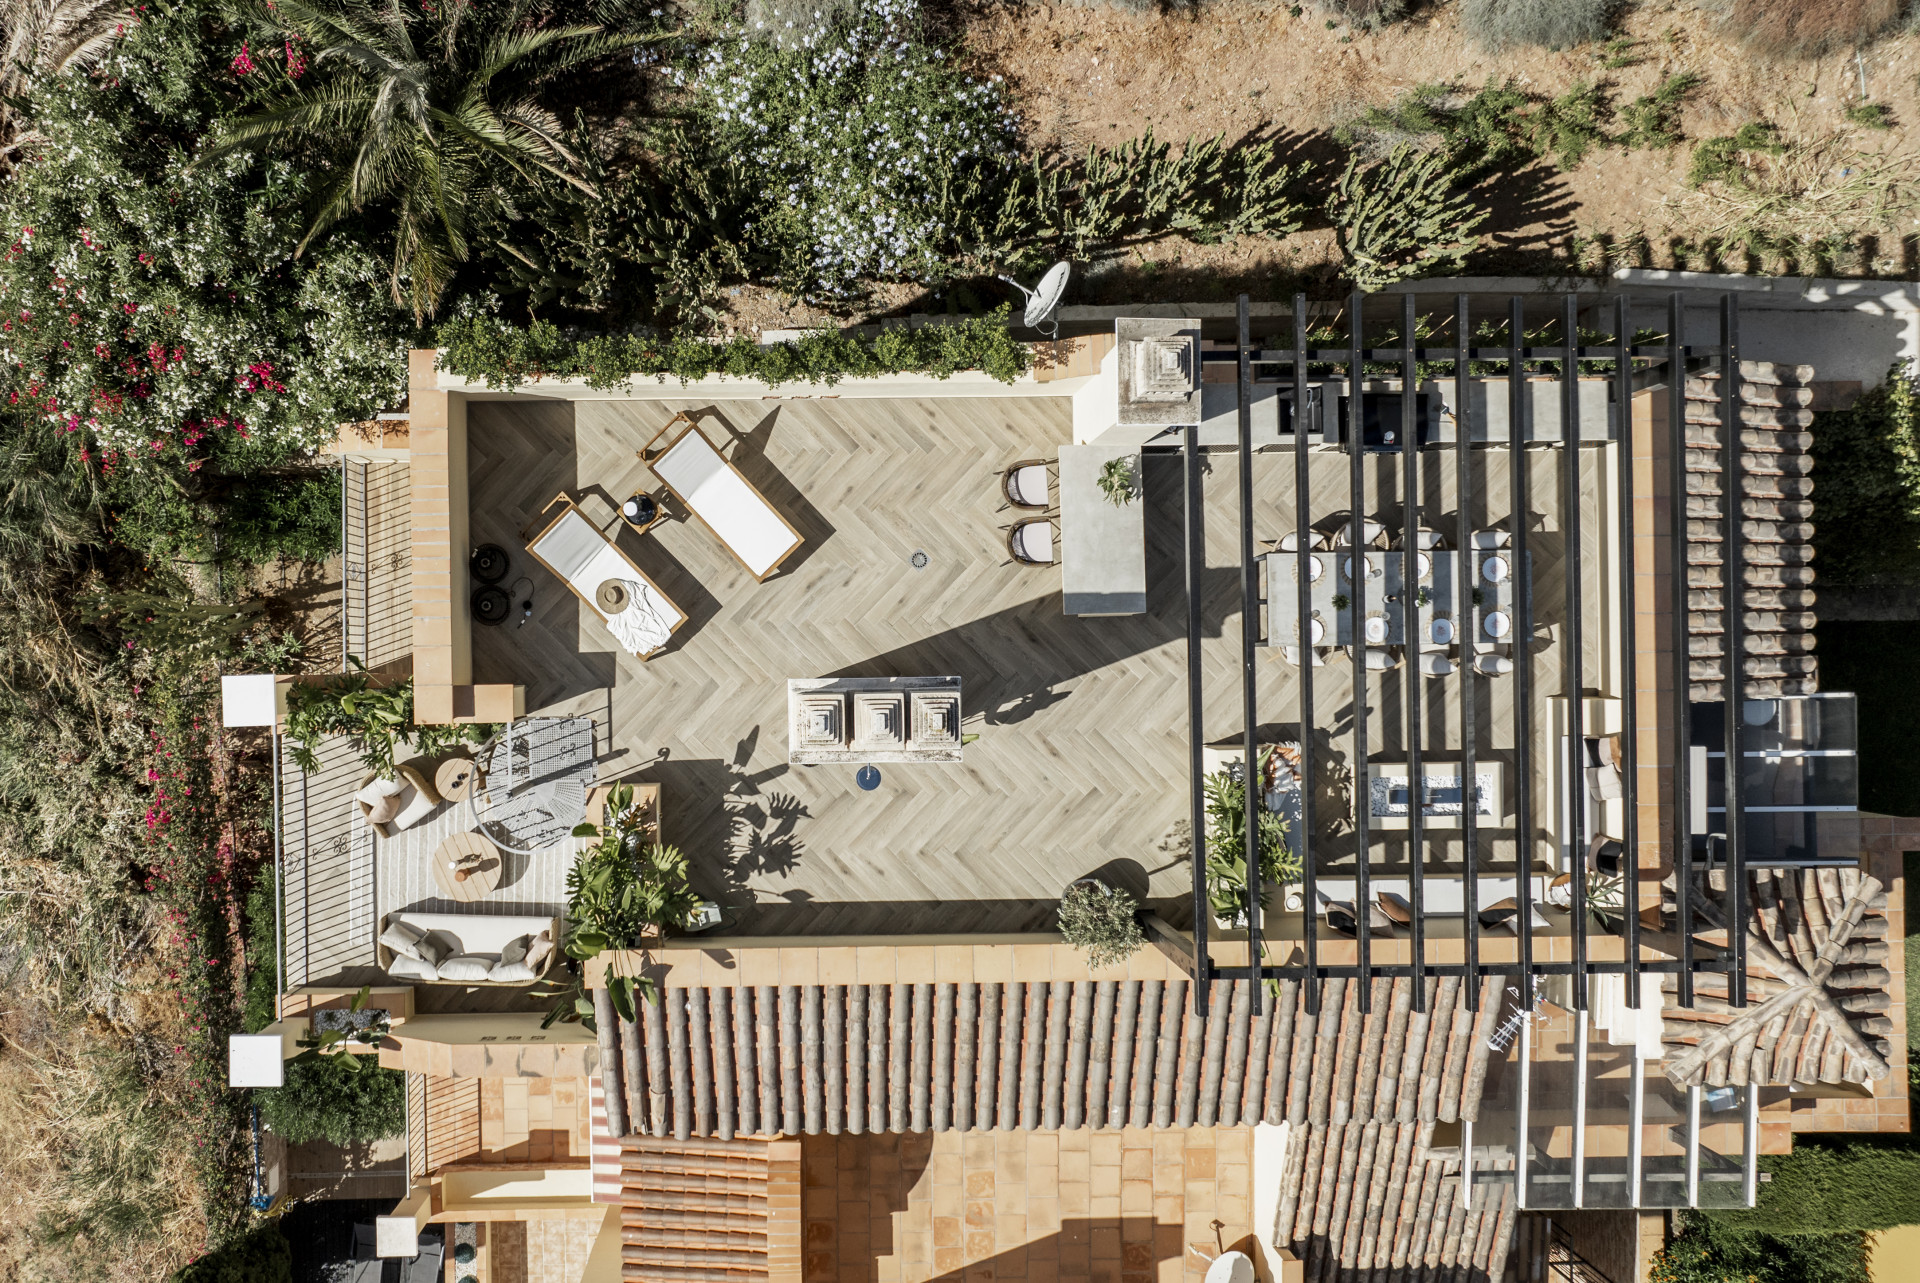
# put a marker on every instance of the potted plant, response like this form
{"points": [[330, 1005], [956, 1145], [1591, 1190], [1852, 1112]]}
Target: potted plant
{"points": [[1101, 922], [351, 1032], [1120, 480], [375, 718], [623, 886], [1226, 844]]}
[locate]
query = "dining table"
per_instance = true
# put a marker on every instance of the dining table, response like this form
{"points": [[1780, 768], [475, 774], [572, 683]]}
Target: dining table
{"points": [[1369, 586]]}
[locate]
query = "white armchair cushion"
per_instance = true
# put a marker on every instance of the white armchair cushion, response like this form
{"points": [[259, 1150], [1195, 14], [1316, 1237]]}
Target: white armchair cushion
{"points": [[415, 807], [406, 968], [1435, 665], [1489, 538], [468, 966], [1380, 660], [1492, 665]]}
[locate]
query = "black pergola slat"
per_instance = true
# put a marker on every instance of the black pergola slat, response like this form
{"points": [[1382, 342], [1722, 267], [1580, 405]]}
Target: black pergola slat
{"points": [[1410, 524], [1733, 599], [1629, 657], [1249, 644], [1573, 658], [1196, 553], [1303, 587], [1521, 628], [1682, 651], [1357, 527], [1469, 633]]}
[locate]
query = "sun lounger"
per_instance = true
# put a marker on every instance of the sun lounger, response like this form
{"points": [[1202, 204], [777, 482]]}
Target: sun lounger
{"points": [[583, 559], [725, 502]]}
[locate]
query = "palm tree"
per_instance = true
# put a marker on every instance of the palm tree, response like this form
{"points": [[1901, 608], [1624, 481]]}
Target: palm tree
{"points": [[429, 117], [45, 37]]}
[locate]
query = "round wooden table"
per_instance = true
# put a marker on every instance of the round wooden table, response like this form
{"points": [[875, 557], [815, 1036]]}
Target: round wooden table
{"points": [[454, 779], [484, 876]]}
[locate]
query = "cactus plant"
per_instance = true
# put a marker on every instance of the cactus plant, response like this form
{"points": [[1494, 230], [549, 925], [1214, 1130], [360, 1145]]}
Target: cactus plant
{"points": [[1402, 217]]}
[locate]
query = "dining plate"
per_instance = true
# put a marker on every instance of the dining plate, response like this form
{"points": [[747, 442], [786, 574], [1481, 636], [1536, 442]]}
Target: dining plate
{"points": [[1441, 630], [1376, 629], [1494, 569], [1497, 624]]}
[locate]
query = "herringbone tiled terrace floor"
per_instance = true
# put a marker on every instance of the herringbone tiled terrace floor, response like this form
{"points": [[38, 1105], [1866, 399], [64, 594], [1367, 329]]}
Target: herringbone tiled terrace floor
{"points": [[1082, 750]]}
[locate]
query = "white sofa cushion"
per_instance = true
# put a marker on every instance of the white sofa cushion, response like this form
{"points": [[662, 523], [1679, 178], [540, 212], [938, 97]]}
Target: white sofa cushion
{"points": [[511, 972], [467, 966], [406, 968]]}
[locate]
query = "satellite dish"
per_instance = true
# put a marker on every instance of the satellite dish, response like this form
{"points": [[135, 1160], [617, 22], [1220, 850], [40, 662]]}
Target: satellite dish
{"points": [[1043, 300]]}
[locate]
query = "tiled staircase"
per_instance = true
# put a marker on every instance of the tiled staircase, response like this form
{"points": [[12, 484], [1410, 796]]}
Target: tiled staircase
{"points": [[701, 1210]]}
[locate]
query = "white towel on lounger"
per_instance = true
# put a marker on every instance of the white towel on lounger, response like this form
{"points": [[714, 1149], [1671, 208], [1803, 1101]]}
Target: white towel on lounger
{"points": [[646, 623]]}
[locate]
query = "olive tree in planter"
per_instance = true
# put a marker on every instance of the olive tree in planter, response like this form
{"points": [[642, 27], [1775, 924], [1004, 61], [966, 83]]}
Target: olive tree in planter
{"points": [[1100, 921]]}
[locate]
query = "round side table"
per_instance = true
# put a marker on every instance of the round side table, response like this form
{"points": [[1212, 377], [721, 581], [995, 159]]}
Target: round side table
{"points": [[454, 779], [642, 512], [483, 875]]}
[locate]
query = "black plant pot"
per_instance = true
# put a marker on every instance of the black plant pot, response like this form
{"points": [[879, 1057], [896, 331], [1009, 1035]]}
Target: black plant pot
{"points": [[489, 563], [491, 606]]}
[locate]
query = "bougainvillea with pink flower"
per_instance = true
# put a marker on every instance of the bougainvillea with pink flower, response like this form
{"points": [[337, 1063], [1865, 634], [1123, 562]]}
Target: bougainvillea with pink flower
{"points": [[155, 306]]}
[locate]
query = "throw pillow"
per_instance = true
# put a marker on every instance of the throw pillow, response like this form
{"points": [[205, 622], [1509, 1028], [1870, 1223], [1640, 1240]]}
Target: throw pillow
{"points": [[468, 966], [405, 968], [437, 946], [377, 789], [538, 950], [511, 972], [515, 950], [383, 811], [403, 938]]}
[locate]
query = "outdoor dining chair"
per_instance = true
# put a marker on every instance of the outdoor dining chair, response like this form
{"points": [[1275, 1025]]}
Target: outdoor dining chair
{"points": [[1027, 484], [1031, 542]]}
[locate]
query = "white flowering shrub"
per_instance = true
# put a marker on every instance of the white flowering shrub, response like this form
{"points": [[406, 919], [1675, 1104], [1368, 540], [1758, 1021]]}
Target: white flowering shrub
{"points": [[853, 127], [154, 309]]}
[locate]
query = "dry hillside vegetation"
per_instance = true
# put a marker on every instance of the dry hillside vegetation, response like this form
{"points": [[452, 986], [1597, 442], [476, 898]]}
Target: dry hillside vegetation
{"points": [[1096, 73]]}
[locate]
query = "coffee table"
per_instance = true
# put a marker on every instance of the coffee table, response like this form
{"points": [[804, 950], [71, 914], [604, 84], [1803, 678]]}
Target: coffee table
{"points": [[481, 881]]}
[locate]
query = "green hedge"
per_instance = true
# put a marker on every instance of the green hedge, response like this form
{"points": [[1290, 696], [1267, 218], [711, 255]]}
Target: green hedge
{"points": [[1705, 1251], [261, 1255], [324, 1099], [1827, 1186], [506, 356]]}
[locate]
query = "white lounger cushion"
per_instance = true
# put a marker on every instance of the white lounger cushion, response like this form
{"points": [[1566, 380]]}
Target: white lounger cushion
{"points": [[720, 497], [582, 556]]}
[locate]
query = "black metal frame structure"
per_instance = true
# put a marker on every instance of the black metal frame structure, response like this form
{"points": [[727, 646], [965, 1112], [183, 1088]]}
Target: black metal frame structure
{"points": [[1662, 361]]}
